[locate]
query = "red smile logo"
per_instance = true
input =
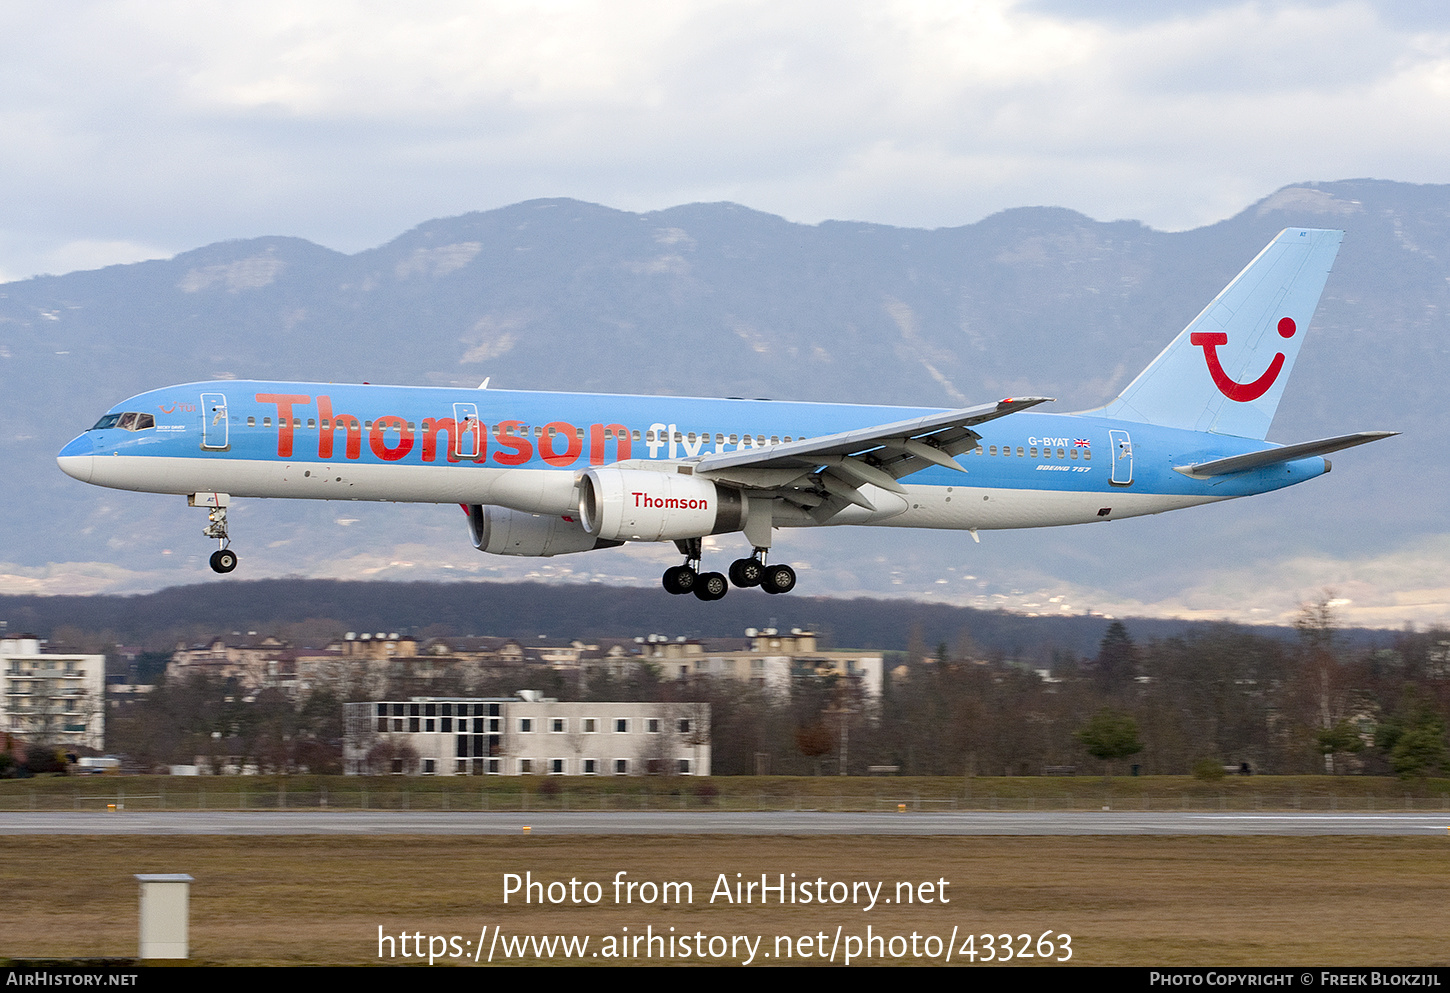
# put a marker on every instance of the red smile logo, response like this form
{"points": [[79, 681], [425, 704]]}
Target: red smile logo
{"points": [[1240, 392]]}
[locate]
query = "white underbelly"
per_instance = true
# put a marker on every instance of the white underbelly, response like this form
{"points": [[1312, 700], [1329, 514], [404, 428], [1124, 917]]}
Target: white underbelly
{"points": [[533, 490], [963, 508]]}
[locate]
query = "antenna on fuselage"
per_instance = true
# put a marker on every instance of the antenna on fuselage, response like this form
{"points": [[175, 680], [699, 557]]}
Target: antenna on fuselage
{"points": [[484, 385]]}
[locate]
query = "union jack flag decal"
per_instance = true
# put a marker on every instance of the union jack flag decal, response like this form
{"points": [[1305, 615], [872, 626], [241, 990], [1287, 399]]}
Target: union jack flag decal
{"points": [[1082, 443]]}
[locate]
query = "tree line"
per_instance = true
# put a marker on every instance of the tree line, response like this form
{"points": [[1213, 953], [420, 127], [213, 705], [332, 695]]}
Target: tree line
{"points": [[1213, 698]]}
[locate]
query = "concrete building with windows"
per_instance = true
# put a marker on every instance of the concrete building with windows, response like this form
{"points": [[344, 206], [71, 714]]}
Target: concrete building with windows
{"points": [[525, 735], [767, 658], [51, 699]]}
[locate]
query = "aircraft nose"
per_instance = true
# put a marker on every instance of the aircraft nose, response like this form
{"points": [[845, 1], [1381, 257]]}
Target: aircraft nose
{"points": [[77, 459]]}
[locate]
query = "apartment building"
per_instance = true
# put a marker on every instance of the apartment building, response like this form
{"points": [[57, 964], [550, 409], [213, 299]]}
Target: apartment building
{"points": [[52, 698]]}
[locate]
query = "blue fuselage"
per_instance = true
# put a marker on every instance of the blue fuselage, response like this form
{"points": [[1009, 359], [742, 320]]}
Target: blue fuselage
{"points": [[524, 450]]}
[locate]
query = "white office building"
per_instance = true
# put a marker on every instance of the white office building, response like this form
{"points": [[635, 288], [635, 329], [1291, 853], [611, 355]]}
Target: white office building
{"points": [[525, 735]]}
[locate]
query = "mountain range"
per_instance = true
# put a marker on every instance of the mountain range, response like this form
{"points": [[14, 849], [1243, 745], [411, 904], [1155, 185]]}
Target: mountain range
{"points": [[721, 300]]}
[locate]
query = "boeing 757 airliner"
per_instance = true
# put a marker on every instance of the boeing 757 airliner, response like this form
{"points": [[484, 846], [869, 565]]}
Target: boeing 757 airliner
{"points": [[548, 473]]}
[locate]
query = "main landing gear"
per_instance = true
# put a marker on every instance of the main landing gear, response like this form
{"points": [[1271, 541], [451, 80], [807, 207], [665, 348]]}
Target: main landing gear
{"points": [[687, 578], [744, 573], [753, 571]]}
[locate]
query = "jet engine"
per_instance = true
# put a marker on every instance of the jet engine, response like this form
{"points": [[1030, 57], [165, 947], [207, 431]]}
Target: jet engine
{"points": [[646, 505], [502, 531]]}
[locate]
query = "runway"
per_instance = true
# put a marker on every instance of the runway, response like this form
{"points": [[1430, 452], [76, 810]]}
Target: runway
{"points": [[762, 823]]}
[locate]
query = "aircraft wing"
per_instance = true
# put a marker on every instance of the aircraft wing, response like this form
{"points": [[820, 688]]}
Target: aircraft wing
{"points": [[1288, 453], [840, 464]]}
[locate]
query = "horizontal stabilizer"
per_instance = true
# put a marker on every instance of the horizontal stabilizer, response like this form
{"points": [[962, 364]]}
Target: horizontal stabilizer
{"points": [[1274, 456]]}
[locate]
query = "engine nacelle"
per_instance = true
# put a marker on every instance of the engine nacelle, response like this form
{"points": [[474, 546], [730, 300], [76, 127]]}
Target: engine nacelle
{"points": [[645, 505], [502, 531]]}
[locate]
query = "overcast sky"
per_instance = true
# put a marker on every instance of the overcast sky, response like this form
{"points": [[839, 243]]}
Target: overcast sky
{"points": [[140, 129]]}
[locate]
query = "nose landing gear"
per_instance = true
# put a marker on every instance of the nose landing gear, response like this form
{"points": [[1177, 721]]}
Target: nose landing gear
{"points": [[222, 560]]}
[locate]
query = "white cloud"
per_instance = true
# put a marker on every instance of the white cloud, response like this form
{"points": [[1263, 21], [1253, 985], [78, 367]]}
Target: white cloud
{"points": [[177, 124]]}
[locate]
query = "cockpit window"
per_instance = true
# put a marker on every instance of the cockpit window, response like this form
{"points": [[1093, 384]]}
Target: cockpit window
{"points": [[129, 421]]}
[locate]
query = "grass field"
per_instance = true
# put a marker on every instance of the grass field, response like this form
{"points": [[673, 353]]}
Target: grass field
{"points": [[1124, 901], [724, 793]]}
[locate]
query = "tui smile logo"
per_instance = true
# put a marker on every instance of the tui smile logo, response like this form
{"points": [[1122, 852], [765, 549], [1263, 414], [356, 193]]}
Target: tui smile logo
{"points": [[1240, 392]]}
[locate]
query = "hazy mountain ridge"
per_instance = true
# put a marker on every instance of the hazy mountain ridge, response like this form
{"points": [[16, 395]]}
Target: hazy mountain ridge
{"points": [[717, 299], [532, 611]]}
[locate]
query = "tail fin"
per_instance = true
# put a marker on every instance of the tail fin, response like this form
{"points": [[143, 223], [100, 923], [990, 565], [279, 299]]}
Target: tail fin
{"points": [[1226, 371]]}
